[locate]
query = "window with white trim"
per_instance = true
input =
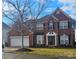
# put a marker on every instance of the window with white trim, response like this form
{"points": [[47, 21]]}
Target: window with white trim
{"points": [[50, 26], [63, 24], [39, 26], [40, 39], [64, 40]]}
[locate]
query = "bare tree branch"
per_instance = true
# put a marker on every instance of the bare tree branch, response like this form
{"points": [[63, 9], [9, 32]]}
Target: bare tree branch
{"points": [[30, 10], [9, 17], [20, 13], [41, 8]]}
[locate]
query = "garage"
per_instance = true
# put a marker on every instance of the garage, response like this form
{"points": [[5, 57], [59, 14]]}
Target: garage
{"points": [[16, 41]]}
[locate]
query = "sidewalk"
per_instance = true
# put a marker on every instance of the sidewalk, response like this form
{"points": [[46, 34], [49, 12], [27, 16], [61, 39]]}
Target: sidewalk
{"points": [[9, 49]]}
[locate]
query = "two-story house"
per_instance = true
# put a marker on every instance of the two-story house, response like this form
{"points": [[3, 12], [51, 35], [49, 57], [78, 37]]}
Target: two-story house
{"points": [[56, 29]]}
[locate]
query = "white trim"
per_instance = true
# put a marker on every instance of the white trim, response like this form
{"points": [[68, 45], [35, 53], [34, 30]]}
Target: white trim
{"points": [[55, 17], [51, 34]]}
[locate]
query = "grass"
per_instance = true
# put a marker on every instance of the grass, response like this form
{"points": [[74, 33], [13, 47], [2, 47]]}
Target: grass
{"points": [[56, 52]]}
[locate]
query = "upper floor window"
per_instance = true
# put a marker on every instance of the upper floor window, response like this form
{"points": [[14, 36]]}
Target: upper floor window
{"points": [[39, 26], [63, 24], [50, 25]]}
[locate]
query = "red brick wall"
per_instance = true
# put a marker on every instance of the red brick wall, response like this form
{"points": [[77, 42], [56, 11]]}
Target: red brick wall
{"points": [[31, 39]]}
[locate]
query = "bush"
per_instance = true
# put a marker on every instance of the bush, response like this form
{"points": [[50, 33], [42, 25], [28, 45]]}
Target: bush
{"points": [[6, 44], [2, 45]]}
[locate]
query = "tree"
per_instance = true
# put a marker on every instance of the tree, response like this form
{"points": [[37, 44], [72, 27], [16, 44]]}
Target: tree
{"points": [[19, 11]]}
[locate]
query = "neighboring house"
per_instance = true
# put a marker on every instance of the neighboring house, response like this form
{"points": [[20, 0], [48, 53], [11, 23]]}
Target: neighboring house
{"points": [[56, 29], [5, 30]]}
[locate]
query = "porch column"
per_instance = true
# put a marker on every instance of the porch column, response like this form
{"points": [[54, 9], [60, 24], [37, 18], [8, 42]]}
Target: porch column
{"points": [[55, 40], [46, 40]]}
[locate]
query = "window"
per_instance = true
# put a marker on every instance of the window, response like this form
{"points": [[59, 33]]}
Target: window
{"points": [[64, 40], [39, 26], [40, 39], [50, 26], [63, 24]]}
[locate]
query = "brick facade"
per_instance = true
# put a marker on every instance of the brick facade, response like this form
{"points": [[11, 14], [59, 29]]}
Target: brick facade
{"points": [[54, 18]]}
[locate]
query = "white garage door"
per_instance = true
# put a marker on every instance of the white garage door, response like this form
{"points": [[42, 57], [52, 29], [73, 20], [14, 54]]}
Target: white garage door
{"points": [[17, 41]]}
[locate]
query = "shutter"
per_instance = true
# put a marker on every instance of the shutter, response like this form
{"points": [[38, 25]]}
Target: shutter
{"points": [[69, 24], [59, 39], [48, 26], [58, 25], [54, 25], [69, 38]]}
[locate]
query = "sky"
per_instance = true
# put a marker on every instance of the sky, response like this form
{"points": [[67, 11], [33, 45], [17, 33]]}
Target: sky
{"points": [[68, 6]]}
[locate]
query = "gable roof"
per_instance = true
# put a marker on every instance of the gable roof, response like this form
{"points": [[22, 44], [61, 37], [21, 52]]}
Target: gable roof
{"points": [[58, 14]]}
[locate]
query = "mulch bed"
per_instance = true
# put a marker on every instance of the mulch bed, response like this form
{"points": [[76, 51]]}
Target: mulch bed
{"points": [[24, 49]]}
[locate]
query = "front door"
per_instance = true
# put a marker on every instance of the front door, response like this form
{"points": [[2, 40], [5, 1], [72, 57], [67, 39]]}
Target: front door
{"points": [[51, 40]]}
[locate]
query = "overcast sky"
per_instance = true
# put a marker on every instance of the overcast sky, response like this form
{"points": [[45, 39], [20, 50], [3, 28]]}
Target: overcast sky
{"points": [[68, 6]]}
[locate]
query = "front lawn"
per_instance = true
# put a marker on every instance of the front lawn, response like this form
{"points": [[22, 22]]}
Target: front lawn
{"points": [[56, 52]]}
